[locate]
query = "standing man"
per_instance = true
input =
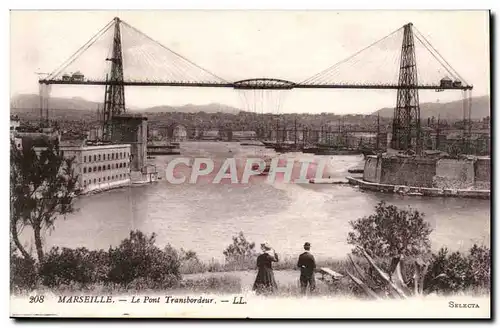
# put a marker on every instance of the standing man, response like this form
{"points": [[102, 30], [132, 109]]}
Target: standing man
{"points": [[307, 264]]}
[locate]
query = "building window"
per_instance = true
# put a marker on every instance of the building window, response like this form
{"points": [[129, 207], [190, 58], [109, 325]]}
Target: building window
{"points": [[99, 179], [84, 159], [99, 169], [108, 157], [113, 156], [99, 156], [109, 167], [94, 180], [85, 183], [95, 158], [95, 168], [84, 170]]}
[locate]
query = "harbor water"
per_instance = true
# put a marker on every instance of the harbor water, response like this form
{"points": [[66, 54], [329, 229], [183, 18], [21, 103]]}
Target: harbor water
{"points": [[204, 217]]}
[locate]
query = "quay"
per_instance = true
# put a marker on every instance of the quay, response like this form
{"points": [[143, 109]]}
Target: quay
{"points": [[440, 175], [419, 191]]}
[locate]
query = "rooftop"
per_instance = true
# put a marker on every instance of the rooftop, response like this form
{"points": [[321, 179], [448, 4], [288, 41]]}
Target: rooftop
{"points": [[94, 147]]}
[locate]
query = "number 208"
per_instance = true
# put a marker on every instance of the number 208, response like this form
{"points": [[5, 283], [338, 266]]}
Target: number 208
{"points": [[36, 299]]}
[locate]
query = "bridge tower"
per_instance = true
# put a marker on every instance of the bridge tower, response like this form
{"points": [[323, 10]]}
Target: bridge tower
{"points": [[114, 99], [406, 122]]}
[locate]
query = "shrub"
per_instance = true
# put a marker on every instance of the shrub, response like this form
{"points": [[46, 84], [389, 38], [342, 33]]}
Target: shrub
{"points": [[240, 254], [449, 273], [215, 266], [66, 266], [23, 273], [190, 263], [391, 232], [480, 266], [138, 257]]}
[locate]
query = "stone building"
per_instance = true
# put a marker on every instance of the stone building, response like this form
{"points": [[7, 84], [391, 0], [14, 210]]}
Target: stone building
{"points": [[100, 167]]}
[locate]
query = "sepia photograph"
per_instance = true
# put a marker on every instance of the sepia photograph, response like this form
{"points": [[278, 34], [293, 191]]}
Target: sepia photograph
{"points": [[238, 164]]}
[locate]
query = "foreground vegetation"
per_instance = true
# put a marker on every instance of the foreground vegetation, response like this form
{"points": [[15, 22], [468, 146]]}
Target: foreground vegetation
{"points": [[137, 264]]}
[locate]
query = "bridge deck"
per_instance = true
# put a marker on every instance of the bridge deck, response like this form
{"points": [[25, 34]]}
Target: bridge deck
{"points": [[259, 86]]}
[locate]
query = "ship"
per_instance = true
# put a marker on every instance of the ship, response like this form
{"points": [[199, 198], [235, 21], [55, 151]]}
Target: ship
{"points": [[163, 149], [267, 161]]}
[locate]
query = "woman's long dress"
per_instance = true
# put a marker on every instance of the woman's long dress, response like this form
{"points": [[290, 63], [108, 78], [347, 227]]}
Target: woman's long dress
{"points": [[265, 282]]}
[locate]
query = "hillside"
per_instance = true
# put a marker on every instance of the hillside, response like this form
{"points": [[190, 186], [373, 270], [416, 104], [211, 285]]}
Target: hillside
{"points": [[190, 108], [27, 102], [448, 111], [27, 107], [30, 101]]}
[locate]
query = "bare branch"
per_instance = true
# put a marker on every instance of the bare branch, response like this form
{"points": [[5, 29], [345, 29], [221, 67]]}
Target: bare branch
{"points": [[382, 274], [361, 284]]}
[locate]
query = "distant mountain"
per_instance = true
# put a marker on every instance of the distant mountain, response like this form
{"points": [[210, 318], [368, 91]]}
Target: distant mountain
{"points": [[448, 111], [27, 107], [30, 102], [190, 108]]}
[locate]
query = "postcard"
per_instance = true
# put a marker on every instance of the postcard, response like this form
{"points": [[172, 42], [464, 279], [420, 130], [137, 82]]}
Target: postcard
{"points": [[250, 164]]}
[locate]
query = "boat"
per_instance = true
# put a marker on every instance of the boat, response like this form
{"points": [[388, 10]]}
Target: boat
{"points": [[310, 150], [251, 143], [267, 161], [163, 149], [269, 143], [287, 148], [333, 151]]}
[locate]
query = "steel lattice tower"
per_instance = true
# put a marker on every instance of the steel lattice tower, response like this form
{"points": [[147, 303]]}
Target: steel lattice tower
{"points": [[406, 123], [114, 103]]}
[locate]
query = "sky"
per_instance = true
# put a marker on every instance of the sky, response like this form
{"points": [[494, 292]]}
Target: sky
{"points": [[237, 45]]}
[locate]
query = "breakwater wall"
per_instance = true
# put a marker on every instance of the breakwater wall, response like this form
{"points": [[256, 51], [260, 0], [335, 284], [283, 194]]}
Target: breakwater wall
{"points": [[443, 173]]}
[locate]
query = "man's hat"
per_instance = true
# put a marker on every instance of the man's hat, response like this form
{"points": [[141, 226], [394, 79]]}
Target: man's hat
{"points": [[307, 244]]}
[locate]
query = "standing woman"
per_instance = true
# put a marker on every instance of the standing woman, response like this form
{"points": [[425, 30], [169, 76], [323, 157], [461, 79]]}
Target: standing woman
{"points": [[265, 282]]}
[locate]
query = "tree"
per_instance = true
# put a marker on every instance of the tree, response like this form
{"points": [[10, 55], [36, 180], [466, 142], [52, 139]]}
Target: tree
{"points": [[240, 251], [391, 232], [42, 188]]}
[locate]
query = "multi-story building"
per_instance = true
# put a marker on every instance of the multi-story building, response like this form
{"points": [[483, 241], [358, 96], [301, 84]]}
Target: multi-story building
{"points": [[100, 167], [179, 133], [244, 135], [14, 125]]}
